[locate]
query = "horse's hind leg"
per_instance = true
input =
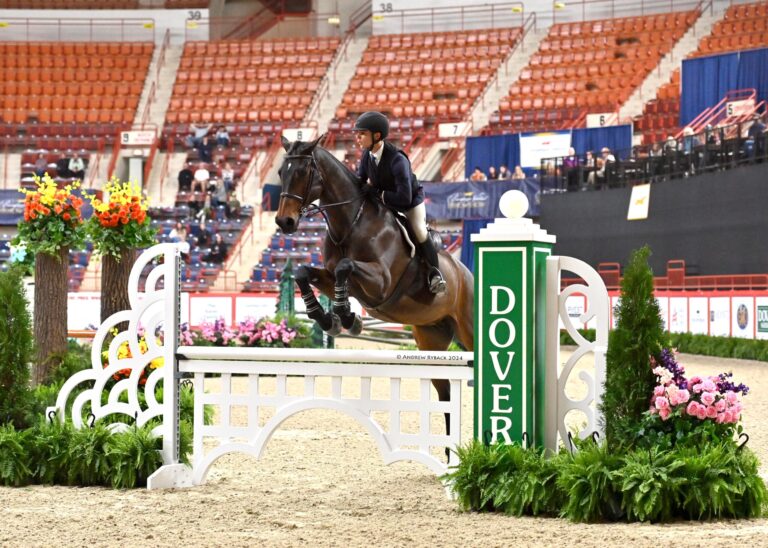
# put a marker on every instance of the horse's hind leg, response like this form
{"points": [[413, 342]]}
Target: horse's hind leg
{"points": [[436, 337], [349, 320], [328, 322]]}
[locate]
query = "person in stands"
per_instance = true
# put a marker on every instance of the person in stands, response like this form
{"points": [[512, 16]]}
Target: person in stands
{"points": [[478, 175], [77, 166], [504, 172], [518, 174], [492, 174], [385, 172], [218, 252], [41, 165]]}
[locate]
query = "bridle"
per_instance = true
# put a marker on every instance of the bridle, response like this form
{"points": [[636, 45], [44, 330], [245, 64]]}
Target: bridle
{"points": [[309, 209]]}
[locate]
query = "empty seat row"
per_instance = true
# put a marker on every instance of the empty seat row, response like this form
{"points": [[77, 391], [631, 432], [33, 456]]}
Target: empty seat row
{"points": [[243, 88], [597, 56], [74, 116], [224, 116], [446, 39], [69, 49], [205, 75], [235, 102], [420, 54], [57, 62], [244, 61], [637, 23], [286, 46], [70, 76], [69, 102]]}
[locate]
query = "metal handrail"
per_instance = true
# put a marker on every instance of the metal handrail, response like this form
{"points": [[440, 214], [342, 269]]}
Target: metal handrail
{"points": [[78, 29], [611, 9], [488, 16]]}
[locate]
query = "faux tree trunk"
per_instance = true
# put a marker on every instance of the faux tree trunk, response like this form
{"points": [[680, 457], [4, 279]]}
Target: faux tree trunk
{"points": [[51, 289], [114, 283]]}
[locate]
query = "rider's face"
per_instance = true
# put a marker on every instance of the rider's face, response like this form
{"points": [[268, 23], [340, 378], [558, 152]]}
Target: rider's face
{"points": [[364, 139]]}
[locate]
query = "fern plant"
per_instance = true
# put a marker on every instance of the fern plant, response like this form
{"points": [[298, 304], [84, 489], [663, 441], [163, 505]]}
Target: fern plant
{"points": [[650, 485], [589, 478], [87, 455], [13, 457], [47, 446], [476, 475], [133, 457]]}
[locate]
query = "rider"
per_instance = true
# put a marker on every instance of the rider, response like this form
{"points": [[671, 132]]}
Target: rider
{"points": [[387, 169]]}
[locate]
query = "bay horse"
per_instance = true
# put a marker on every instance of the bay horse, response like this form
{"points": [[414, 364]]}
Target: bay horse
{"points": [[366, 255]]}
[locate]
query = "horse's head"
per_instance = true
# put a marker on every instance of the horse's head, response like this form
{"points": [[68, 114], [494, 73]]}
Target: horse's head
{"points": [[300, 182]]}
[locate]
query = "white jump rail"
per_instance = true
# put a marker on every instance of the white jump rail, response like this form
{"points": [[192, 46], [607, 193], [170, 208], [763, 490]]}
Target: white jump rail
{"points": [[157, 306]]}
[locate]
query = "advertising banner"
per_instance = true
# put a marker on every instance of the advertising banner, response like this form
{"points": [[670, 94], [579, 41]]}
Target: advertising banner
{"points": [[476, 200], [698, 315], [761, 317], [678, 314], [719, 316], [743, 317], [534, 147]]}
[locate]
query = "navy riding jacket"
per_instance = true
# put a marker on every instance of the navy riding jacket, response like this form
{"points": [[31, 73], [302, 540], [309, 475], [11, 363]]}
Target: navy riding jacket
{"points": [[392, 177]]}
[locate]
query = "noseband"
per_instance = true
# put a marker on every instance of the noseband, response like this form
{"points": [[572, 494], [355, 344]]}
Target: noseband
{"points": [[308, 209]]}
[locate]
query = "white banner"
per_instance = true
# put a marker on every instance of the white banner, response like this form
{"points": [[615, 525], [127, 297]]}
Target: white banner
{"points": [[743, 317], [536, 146], [740, 108], [719, 316], [678, 314], [698, 314], [210, 309], [663, 303], [137, 138], [638, 202]]}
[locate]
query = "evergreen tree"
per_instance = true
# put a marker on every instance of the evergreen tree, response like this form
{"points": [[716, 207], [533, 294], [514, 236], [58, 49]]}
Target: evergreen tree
{"points": [[15, 347], [639, 334]]}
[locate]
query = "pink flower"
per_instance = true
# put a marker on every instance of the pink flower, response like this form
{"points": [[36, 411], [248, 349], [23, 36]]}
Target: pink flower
{"points": [[731, 396], [696, 387], [658, 391], [664, 413], [711, 412], [707, 398], [727, 416], [694, 380], [720, 405], [692, 409], [683, 396], [662, 403], [720, 418], [701, 412], [708, 385], [735, 417], [653, 410]]}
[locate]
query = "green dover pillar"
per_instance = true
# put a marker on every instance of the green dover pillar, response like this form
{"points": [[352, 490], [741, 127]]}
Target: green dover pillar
{"points": [[510, 294]]}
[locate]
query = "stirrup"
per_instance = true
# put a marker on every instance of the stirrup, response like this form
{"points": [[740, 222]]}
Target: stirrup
{"points": [[436, 282]]}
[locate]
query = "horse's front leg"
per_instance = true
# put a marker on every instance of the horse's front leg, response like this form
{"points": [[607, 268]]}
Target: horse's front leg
{"points": [[322, 279], [349, 320]]}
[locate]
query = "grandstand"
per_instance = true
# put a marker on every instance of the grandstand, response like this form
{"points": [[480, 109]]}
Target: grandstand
{"points": [[167, 67]]}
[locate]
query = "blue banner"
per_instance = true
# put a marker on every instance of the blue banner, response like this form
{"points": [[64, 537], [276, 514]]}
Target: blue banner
{"points": [[477, 200]]}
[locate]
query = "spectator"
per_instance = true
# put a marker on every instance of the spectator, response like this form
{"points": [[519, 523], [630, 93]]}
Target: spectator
{"points": [[220, 196], [492, 175], [197, 131], [222, 137], [504, 172], [202, 234], [756, 135], [518, 174], [41, 165], [202, 177], [218, 252], [478, 175], [62, 167], [185, 179], [599, 175], [571, 169], [204, 149], [178, 233], [77, 166], [688, 146], [228, 176]]}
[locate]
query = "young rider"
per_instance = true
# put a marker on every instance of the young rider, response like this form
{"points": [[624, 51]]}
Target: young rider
{"points": [[386, 171]]}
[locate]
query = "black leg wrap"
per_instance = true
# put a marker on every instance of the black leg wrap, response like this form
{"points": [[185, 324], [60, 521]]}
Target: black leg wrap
{"points": [[341, 306], [315, 310]]}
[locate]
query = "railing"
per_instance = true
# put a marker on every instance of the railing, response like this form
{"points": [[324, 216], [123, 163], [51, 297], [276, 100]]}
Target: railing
{"points": [[151, 96], [165, 167], [716, 114], [150, 159], [77, 29], [266, 166], [707, 151], [324, 89], [93, 167], [360, 16], [115, 154], [227, 271], [279, 26], [265, 206], [492, 16], [5, 168], [586, 10], [255, 25]]}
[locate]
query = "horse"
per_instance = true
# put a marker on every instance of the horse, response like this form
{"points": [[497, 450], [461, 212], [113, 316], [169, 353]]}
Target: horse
{"points": [[366, 255]]}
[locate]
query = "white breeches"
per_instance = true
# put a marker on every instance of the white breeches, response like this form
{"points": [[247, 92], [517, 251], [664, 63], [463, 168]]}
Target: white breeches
{"points": [[418, 219]]}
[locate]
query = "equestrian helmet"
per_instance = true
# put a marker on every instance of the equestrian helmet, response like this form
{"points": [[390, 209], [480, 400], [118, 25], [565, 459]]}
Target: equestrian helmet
{"points": [[373, 121]]}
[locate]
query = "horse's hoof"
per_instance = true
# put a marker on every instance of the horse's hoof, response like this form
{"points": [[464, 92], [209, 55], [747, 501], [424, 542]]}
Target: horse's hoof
{"points": [[335, 328], [357, 326]]}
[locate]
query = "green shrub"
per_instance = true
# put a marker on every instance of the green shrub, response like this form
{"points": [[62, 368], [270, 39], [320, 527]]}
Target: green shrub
{"points": [[476, 475], [650, 485], [13, 457], [16, 347], [639, 334], [589, 479]]}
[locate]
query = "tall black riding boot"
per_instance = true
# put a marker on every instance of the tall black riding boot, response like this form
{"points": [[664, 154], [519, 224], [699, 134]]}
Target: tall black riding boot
{"points": [[435, 279]]}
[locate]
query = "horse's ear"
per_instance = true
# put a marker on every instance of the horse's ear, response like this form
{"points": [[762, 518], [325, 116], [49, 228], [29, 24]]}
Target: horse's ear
{"points": [[286, 142], [314, 143]]}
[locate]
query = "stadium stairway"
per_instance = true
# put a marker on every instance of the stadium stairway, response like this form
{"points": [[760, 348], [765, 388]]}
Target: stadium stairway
{"points": [[323, 109], [670, 62], [247, 254]]}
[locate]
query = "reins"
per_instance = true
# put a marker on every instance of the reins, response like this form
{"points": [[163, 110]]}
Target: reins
{"points": [[309, 210]]}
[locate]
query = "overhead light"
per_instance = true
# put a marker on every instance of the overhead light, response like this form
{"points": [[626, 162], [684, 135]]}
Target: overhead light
{"points": [[559, 5], [334, 20]]}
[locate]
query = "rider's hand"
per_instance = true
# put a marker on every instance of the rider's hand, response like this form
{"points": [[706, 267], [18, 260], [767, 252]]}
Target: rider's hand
{"points": [[369, 190]]}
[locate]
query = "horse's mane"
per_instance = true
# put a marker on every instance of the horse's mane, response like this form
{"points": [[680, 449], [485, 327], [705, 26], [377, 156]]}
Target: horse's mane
{"points": [[349, 173]]}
